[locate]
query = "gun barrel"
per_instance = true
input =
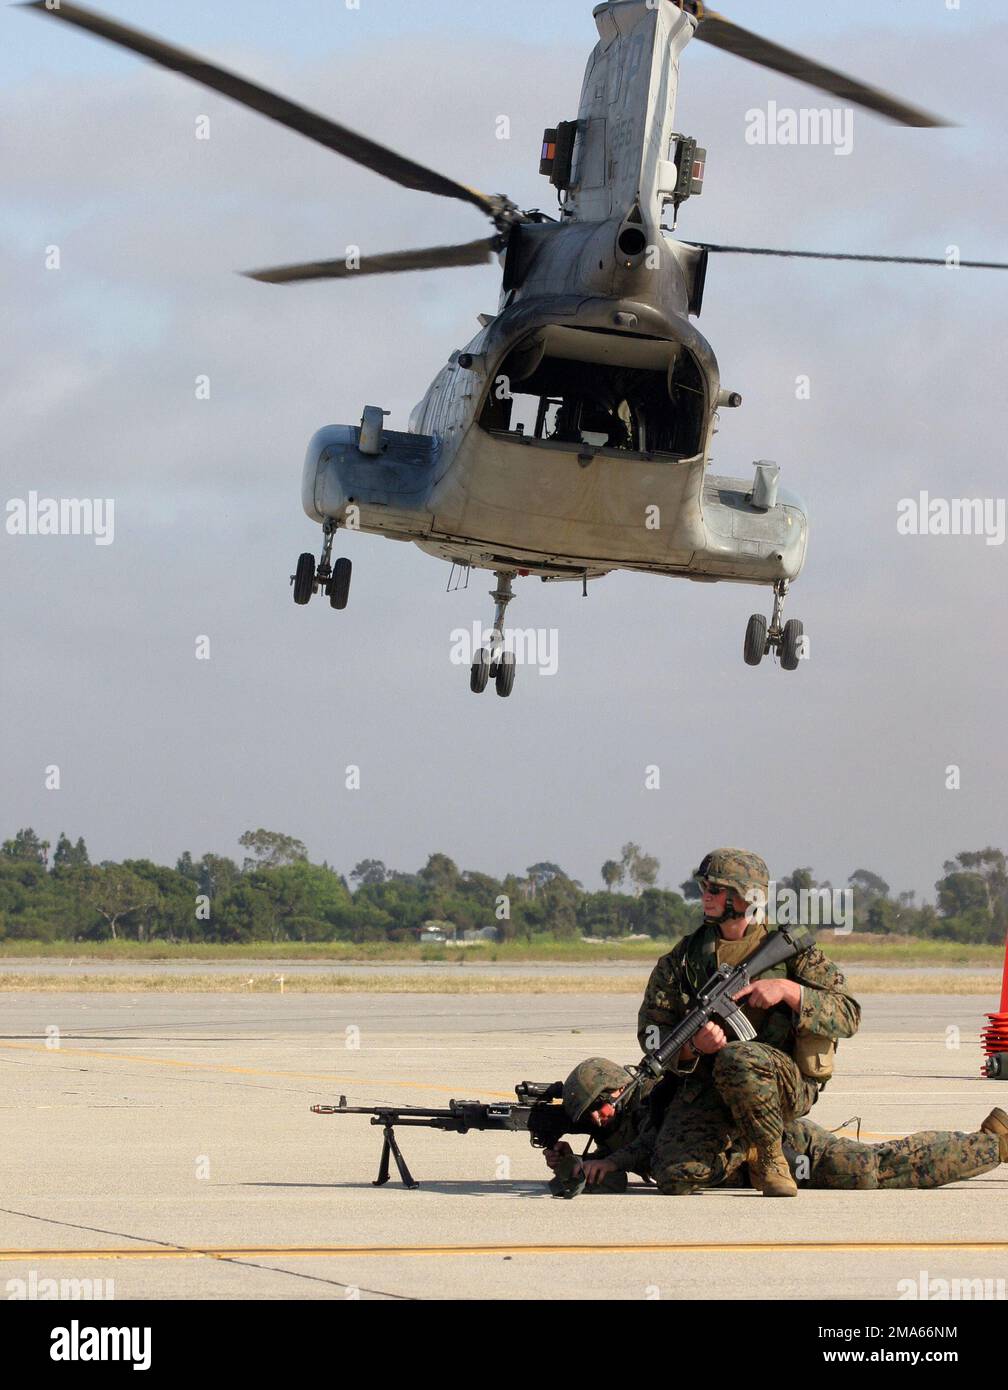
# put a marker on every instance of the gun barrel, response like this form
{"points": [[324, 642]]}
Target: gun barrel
{"points": [[379, 1111]]}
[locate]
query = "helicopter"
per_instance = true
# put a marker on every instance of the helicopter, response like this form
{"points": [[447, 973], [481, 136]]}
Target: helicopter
{"points": [[572, 436]]}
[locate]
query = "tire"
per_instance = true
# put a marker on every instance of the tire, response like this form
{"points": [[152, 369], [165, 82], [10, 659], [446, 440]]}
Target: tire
{"points": [[479, 672], [791, 641], [339, 584], [304, 578], [755, 640], [505, 674]]}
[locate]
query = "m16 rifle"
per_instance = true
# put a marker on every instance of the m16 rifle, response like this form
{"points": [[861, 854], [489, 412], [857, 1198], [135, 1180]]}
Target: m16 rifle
{"points": [[715, 1000], [537, 1111]]}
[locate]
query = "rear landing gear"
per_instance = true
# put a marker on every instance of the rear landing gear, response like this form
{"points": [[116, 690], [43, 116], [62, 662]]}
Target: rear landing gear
{"points": [[755, 640], [494, 663], [787, 639], [332, 579], [304, 578], [339, 584]]}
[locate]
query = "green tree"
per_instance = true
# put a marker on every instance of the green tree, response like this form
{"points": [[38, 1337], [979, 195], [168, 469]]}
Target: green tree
{"points": [[799, 881], [69, 856], [305, 900], [559, 899], [641, 869], [271, 850], [440, 874], [27, 847], [868, 884], [612, 874], [369, 871], [114, 892], [960, 892], [539, 875]]}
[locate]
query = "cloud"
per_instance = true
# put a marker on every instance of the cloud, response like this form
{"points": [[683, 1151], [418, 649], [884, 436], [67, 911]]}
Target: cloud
{"points": [[837, 765]]}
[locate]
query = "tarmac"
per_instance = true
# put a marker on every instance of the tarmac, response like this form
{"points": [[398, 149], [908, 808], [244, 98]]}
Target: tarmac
{"points": [[164, 1144]]}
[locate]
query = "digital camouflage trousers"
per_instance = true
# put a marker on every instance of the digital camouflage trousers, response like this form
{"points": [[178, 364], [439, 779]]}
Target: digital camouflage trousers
{"points": [[755, 1091], [930, 1158]]}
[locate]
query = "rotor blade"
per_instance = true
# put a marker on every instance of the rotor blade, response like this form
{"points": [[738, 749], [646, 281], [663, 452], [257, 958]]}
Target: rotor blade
{"points": [[391, 263], [335, 137], [722, 33], [847, 256]]}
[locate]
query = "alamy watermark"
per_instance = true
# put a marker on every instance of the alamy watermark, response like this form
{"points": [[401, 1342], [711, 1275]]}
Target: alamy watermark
{"points": [[532, 646], [802, 907], [927, 1288], [925, 515], [809, 125], [35, 1289], [62, 516]]}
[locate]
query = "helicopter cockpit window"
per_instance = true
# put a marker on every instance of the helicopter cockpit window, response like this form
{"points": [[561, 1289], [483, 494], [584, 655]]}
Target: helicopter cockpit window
{"points": [[653, 408]]}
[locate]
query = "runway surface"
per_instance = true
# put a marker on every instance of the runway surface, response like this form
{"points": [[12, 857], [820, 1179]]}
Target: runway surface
{"points": [[164, 1143]]}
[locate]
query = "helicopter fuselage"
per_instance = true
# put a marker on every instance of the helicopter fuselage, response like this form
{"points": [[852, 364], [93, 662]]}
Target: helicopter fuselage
{"points": [[572, 436], [470, 484]]}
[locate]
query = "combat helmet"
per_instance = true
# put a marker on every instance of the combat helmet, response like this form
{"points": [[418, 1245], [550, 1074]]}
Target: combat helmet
{"points": [[587, 1082], [740, 869]]}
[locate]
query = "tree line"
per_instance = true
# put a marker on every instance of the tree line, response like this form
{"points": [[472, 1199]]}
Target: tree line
{"points": [[276, 894]]}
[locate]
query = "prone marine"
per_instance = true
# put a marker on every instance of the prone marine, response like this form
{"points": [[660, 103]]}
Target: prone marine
{"points": [[816, 1157]]}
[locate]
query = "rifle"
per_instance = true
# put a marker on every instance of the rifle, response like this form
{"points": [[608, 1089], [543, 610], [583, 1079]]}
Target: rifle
{"points": [[715, 1000], [536, 1112]]}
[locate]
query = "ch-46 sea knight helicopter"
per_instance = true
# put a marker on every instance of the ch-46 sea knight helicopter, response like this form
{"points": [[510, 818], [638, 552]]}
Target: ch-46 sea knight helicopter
{"points": [[572, 435]]}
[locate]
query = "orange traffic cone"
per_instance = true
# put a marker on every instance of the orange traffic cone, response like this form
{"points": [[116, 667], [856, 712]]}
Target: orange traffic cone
{"points": [[995, 1035]]}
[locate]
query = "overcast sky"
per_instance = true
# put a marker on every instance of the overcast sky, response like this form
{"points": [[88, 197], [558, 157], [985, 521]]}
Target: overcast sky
{"points": [[839, 765]]}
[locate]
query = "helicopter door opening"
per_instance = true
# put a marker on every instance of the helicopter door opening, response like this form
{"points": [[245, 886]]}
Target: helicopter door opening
{"points": [[574, 387]]}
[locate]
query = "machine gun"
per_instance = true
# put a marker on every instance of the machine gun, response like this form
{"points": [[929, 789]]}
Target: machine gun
{"points": [[537, 1111]]}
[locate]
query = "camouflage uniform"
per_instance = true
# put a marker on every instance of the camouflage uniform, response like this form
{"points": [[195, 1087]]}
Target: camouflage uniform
{"points": [[628, 1142], [629, 1139], [747, 1092], [930, 1158]]}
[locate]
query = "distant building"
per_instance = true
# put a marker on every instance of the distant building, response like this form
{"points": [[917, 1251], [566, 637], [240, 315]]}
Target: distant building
{"points": [[435, 933], [482, 934]]}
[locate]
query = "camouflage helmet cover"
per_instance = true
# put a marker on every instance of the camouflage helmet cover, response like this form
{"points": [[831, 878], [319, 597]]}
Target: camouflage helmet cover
{"points": [[735, 868], [587, 1082]]}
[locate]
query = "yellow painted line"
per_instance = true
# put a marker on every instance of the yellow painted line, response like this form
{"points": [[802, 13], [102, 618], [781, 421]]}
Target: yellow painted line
{"points": [[238, 1252], [237, 1071]]}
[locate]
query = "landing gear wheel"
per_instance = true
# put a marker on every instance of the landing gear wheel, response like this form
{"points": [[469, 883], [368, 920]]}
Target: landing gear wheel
{"points": [[791, 643], [505, 674], [339, 585], [479, 672], [304, 578], [755, 640]]}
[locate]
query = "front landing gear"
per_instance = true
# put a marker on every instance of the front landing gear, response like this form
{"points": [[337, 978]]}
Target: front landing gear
{"points": [[493, 663], [787, 639], [332, 579]]}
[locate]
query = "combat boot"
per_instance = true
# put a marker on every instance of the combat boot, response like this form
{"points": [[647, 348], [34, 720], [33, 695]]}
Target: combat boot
{"points": [[997, 1123], [769, 1172]]}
